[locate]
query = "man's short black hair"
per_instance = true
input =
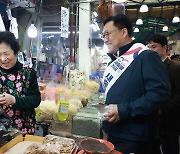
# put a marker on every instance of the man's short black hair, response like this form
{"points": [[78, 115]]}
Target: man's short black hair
{"points": [[175, 57], [9, 38], [158, 38], [120, 21]]}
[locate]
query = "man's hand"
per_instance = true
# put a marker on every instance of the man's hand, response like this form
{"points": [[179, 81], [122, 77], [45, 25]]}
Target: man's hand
{"points": [[113, 115], [7, 99]]}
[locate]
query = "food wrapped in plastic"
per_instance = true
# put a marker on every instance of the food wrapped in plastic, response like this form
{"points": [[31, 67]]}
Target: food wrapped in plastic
{"points": [[4, 125], [73, 109], [6, 122], [92, 86], [4, 134], [4, 118], [3, 114], [103, 111], [46, 110], [42, 149], [65, 145], [96, 99], [76, 79], [50, 94], [84, 95], [76, 102]]}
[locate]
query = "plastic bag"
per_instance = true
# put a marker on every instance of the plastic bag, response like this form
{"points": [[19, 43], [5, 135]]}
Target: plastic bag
{"points": [[4, 125], [4, 118], [46, 110], [4, 134], [3, 114]]}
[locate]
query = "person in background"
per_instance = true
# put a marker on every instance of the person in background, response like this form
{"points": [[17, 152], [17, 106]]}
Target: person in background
{"points": [[176, 58], [136, 84], [19, 91], [170, 112]]}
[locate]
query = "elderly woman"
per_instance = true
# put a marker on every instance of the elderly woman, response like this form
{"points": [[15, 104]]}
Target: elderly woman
{"points": [[19, 92]]}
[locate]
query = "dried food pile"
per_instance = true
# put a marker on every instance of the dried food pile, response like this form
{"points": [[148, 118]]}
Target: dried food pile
{"points": [[52, 145]]}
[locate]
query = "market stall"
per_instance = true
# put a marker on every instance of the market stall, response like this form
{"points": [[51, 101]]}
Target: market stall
{"points": [[65, 106], [51, 144], [62, 42]]}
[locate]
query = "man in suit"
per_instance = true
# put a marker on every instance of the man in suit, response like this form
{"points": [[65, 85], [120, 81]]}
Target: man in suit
{"points": [[170, 112], [136, 83], [176, 58]]}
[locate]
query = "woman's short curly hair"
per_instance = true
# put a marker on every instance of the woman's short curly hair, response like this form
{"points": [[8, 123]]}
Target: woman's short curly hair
{"points": [[9, 38]]}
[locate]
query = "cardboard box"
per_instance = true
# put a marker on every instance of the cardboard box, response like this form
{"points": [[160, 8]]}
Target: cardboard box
{"points": [[19, 139]]}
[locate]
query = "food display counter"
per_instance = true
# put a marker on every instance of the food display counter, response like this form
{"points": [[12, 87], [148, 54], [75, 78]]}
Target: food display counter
{"points": [[41, 145], [67, 115], [52, 144]]}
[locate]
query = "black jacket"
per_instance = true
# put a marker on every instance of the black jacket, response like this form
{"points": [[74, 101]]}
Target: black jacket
{"points": [[138, 93], [170, 118]]}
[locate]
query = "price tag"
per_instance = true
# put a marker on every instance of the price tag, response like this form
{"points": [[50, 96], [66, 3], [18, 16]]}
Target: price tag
{"points": [[61, 95], [63, 109]]}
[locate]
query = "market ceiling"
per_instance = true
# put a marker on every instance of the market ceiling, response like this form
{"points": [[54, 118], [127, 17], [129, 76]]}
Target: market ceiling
{"points": [[161, 13]]}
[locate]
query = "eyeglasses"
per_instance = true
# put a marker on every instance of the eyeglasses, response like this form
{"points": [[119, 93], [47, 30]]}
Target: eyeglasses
{"points": [[106, 34]]}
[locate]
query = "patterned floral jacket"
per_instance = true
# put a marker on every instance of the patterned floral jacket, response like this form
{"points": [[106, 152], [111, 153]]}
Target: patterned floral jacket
{"points": [[21, 82]]}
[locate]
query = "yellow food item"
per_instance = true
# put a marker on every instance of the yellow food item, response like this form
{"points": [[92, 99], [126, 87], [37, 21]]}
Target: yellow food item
{"points": [[46, 110], [76, 102], [72, 109], [92, 86]]}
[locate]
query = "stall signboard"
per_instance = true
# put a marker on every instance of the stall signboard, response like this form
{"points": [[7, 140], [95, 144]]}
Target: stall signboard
{"points": [[64, 22]]}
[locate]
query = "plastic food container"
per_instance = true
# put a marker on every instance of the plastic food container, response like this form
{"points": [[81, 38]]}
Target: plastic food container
{"points": [[94, 145]]}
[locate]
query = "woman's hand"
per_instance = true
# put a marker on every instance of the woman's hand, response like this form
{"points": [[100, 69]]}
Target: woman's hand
{"points": [[7, 99]]}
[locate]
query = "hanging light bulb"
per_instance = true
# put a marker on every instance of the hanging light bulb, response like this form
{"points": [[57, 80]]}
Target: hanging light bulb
{"points": [[136, 30], [144, 8], [32, 31], [175, 19], [119, 1], [139, 22], [165, 29]]}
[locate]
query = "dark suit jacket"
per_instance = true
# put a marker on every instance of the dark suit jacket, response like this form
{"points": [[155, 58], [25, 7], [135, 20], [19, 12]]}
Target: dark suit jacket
{"points": [[170, 118], [138, 93]]}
